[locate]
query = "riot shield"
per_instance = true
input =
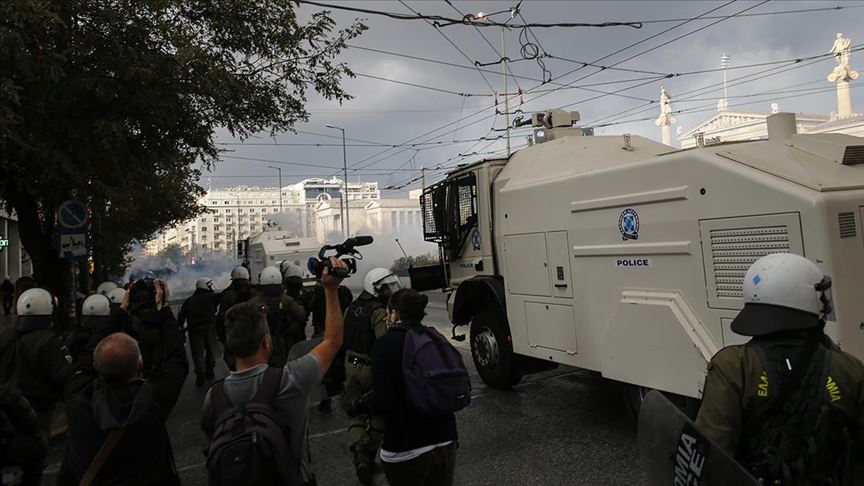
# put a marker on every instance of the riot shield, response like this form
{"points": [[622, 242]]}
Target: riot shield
{"points": [[300, 349], [676, 454]]}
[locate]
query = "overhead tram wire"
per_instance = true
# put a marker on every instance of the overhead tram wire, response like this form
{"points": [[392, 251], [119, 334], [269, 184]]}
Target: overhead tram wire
{"points": [[488, 43], [415, 85], [635, 24], [671, 41], [492, 89], [717, 86], [370, 158], [441, 21]]}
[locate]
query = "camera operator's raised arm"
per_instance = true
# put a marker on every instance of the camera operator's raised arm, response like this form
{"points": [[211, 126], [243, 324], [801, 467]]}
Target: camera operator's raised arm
{"points": [[329, 347]]}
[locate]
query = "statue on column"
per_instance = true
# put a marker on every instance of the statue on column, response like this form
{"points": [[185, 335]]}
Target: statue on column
{"points": [[665, 118], [842, 49]]}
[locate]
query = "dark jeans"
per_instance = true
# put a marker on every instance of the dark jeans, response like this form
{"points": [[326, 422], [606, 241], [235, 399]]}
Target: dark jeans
{"points": [[7, 303], [434, 468], [201, 346]]}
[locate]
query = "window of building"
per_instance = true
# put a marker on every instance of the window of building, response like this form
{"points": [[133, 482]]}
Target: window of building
{"points": [[239, 210], [228, 211], [203, 228], [217, 245], [203, 220], [216, 228], [252, 210]]}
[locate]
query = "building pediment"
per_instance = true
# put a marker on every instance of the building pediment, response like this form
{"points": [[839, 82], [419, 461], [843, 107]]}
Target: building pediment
{"points": [[725, 119]]}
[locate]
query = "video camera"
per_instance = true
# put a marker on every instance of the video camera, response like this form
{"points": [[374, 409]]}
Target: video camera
{"points": [[317, 265]]}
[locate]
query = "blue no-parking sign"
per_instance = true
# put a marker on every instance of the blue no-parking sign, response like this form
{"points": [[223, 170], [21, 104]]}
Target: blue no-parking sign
{"points": [[72, 214]]}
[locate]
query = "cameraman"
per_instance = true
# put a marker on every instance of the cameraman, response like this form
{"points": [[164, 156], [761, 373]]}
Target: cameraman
{"points": [[146, 316], [248, 336]]}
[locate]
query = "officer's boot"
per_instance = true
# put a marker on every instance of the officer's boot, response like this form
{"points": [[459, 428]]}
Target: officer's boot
{"points": [[362, 466]]}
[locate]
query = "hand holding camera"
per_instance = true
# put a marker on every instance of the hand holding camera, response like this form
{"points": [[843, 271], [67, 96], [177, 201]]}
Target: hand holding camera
{"points": [[330, 275], [345, 249]]}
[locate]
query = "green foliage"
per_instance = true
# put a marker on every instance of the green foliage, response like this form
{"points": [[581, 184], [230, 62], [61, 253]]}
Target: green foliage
{"points": [[401, 265], [116, 103]]}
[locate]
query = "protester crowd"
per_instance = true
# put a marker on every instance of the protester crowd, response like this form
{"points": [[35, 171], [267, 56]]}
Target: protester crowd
{"points": [[114, 378]]}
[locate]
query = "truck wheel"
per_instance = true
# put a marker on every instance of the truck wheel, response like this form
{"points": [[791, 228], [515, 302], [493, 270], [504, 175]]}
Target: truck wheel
{"points": [[492, 351], [635, 395]]}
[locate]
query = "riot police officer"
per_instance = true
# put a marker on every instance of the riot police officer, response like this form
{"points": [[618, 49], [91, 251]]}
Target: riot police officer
{"points": [[95, 312], [788, 403], [365, 320], [285, 316], [33, 358], [239, 291], [196, 317]]}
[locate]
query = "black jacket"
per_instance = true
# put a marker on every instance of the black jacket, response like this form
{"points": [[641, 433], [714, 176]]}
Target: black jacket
{"points": [[403, 430], [238, 292], [143, 456], [199, 309], [21, 440], [37, 363], [148, 327]]}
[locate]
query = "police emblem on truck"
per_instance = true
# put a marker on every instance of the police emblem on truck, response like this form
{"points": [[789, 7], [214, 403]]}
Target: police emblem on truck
{"points": [[628, 224]]}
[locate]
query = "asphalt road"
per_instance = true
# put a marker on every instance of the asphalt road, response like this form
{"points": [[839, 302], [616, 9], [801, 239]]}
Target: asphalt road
{"points": [[565, 426]]}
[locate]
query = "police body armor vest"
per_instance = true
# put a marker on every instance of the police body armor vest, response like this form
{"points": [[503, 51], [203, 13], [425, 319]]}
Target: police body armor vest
{"points": [[359, 332], [276, 313], [796, 436]]}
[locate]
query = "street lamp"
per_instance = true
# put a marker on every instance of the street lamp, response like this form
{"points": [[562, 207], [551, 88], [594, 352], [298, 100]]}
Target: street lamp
{"points": [[346, 226], [280, 186], [235, 233]]}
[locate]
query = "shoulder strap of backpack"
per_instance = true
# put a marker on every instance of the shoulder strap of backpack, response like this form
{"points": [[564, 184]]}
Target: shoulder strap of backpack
{"points": [[219, 399], [102, 456], [269, 386]]}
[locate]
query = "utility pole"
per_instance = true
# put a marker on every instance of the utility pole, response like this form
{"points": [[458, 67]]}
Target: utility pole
{"points": [[423, 177], [280, 185], [346, 224], [506, 94]]}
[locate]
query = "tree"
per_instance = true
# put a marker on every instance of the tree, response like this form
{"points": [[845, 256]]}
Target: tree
{"points": [[116, 104]]}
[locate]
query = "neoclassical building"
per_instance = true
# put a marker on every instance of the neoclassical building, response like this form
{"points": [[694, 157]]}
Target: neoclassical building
{"points": [[727, 125]]}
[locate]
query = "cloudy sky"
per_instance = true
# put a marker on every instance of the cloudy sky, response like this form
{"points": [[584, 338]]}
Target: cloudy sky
{"points": [[384, 112]]}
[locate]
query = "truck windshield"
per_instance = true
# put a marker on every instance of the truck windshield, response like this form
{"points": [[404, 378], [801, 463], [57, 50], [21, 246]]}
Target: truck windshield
{"points": [[450, 212]]}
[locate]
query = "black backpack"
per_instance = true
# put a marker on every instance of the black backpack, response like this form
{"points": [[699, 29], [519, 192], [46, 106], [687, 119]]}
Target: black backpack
{"points": [[249, 444]]}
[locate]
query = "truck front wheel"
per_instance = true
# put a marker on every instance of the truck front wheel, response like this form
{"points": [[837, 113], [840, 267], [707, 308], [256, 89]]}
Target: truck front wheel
{"points": [[492, 351]]}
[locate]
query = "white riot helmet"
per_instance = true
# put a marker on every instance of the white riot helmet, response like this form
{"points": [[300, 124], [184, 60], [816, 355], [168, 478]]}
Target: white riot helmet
{"points": [[35, 302], [204, 284], [270, 276], [116, 296], [379, 278], [240, 273], [289, 269], [783, 291], [96, 305], [105, 287]]}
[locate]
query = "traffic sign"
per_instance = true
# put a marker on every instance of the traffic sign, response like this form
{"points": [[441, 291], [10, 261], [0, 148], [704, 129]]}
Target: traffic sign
{"points": [[72, 214], [73, 242]]}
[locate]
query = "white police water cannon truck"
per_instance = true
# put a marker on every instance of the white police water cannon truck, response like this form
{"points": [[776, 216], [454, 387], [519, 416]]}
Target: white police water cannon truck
{"points": [[625, 256]]}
